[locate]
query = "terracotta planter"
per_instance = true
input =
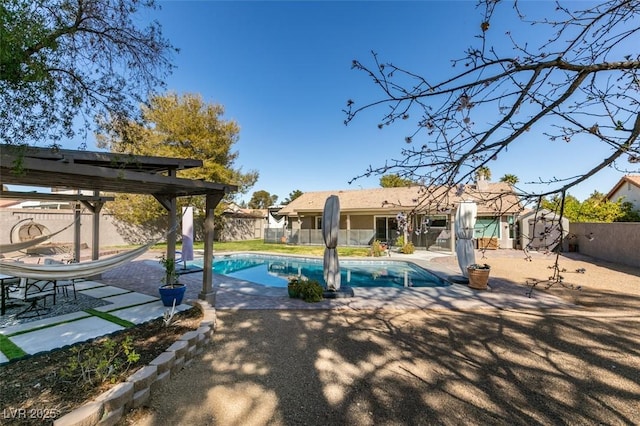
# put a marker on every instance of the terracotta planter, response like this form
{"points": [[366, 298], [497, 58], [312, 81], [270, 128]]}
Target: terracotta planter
{"points": [[478, 278]]}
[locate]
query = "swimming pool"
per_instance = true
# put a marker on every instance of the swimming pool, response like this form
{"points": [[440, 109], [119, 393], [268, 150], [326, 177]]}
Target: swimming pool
{"points": [[273, 271]]}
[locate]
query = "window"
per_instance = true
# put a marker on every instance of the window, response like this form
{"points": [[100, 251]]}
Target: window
{"points": [[386, 229], [487, 227]]}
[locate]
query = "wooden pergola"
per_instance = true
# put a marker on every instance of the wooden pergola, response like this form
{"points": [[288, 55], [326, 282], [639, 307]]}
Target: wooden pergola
{"points": [[103, 172]]}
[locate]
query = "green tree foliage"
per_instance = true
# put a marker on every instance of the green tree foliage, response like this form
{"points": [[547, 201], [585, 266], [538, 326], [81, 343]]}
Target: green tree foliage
{"points": [[66, 59], [571, 206], [292, 196], [394, 181], [596, 208], [180, 126], [628, 213], [483, 172], [262, 200], [510, 179]]}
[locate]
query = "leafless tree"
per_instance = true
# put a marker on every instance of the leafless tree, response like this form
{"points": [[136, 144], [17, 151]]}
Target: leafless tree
{"points": [[581, 82]]}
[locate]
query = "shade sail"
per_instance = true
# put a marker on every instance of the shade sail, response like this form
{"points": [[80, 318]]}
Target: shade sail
{"points": [[464, 224], [330, 229]]}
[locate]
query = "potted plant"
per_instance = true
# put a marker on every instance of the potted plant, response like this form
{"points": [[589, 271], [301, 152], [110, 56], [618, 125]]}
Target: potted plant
{"points": [[171, 290], [479, 276], [293, 287], [305, 289]]}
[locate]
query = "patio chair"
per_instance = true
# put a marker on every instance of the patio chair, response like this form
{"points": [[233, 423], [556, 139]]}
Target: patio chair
{"points": [[62, 285], [8, 283], [32, 292]]}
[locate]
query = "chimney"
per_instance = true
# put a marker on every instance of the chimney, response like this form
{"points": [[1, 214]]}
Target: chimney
{"points": [[482, 183]]}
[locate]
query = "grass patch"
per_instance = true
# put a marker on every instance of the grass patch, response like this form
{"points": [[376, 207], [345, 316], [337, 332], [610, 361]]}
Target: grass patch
{"points": [[109, 317], [260, 245], [9, 349], [42, 327]]}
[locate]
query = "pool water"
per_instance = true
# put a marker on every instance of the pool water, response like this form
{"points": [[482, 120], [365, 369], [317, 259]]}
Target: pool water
{"points": [[274, 271]]}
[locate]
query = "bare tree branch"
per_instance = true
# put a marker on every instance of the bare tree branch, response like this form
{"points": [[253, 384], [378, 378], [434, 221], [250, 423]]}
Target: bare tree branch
{"points": [[581, 82]]}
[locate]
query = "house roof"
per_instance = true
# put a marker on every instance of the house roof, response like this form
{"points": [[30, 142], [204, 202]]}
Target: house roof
{"points": [[542, 214], [633, 179], [234, 210], [495, 197]]}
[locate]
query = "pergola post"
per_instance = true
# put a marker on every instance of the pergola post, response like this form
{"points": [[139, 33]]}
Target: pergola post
{"points": [[173, 220], [77, 215], [95, 237], [207, 292]]}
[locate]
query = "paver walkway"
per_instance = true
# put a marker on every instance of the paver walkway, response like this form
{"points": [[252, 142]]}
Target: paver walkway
{"points": [[59, 331]]}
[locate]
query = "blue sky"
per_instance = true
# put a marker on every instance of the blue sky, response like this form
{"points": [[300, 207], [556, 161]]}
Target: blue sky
{"points": [[282, 70]]}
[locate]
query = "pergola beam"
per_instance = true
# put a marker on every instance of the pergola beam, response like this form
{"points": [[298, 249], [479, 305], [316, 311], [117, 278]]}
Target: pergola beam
{"points": [[41, 196]]}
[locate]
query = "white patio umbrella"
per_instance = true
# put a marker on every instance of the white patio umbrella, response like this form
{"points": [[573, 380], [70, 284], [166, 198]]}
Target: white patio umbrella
{"points": [[464, 223], [330, 228], [187, 234]]}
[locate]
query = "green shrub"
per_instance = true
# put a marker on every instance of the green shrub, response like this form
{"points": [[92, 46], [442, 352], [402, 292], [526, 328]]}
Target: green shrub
{"points": [[307, 290], [400, 241], [293, 287], [408, 248], [311, 291], [100, 363], [377, 249]]}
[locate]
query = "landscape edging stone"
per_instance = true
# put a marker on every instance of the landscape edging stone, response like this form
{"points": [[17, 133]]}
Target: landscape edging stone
{"points": [[166, 365]]}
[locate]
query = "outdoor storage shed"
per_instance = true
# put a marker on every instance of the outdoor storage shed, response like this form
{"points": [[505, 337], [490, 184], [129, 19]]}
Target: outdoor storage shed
{"points": [[541, 229]]}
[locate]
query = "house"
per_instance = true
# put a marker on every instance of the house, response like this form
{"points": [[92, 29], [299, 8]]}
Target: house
{"points": [[423, 215], [627, 188]]}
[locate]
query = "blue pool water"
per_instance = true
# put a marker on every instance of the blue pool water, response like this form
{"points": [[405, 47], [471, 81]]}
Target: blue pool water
{"points": [[274, 271]]}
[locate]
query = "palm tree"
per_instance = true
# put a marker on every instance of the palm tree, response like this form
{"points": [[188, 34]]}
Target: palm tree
{"points": [[510, 179], [483, 172]]}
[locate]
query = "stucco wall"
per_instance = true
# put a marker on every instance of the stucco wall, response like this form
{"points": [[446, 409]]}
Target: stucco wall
{"points": [[613, 242], [54, 220]]}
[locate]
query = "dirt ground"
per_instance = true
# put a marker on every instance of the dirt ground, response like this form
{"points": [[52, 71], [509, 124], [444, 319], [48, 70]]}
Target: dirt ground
{"points": [[425, 367], [586, 282]]}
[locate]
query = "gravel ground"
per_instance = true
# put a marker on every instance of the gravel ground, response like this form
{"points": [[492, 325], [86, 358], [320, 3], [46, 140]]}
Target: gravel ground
{"points": [[424, 367]]}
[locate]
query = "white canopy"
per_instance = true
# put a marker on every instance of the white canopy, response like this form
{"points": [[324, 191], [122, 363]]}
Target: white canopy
{"points": [[464, 224], [330, 229]]}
